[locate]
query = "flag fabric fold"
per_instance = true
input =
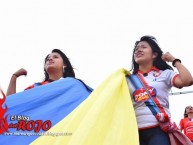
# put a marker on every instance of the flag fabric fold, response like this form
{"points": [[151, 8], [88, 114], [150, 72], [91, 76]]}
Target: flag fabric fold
{"points": [[106, 117]]}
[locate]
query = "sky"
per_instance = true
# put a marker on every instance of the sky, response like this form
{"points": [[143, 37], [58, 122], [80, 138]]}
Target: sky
{"points": [[97, 36]]}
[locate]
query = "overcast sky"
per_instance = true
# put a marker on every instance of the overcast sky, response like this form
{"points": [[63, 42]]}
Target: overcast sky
{"points": [[98, 37]]}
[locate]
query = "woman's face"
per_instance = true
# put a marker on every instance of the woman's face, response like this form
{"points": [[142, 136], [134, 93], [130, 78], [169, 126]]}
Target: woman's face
{"points": [[143, 53], [189, 109], [54, 61]]}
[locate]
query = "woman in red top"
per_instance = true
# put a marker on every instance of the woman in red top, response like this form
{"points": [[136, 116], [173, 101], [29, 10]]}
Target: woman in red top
{"points": [[186, 124], [56, 66]]}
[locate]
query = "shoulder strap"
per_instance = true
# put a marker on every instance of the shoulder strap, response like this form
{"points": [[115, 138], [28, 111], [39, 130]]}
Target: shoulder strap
{"points": [[153, 103]]}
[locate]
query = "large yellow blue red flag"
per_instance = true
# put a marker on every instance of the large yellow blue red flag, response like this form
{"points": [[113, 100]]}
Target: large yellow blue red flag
{"points": [[65, 112], [106, 117]]}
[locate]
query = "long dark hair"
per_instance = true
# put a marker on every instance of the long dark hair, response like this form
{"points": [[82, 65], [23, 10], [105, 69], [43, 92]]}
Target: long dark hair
{"points": [[158, 62], [68, 70], [185, 114]]}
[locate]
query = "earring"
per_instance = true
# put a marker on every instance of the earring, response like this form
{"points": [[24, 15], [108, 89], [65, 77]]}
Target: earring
{"points": [[63, 69]]}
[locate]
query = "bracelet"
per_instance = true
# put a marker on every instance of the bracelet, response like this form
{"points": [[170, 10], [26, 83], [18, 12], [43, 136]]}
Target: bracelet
{"points": [[174, 61], [15, 75]]}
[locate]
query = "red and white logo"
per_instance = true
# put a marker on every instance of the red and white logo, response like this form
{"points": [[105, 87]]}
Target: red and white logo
{"points": [[143, 94], [3, 118]]}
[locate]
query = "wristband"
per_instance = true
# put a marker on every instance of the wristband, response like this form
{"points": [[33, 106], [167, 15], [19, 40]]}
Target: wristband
{"points": [[174, 61]]}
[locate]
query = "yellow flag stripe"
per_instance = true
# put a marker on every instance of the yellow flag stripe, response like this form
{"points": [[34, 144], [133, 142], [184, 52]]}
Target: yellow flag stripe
{"points": [[106, 117]]}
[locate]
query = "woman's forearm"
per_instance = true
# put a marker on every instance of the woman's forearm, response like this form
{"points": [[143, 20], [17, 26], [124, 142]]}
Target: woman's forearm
{"points": [[12, 86]]}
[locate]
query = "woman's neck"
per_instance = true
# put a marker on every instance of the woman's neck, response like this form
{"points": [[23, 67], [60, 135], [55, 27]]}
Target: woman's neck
{"points": [[55, 76], [190, 115], [145, 68]]}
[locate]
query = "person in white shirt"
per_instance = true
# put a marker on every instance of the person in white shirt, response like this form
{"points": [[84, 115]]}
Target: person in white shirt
{"points": [[150, 64]]}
